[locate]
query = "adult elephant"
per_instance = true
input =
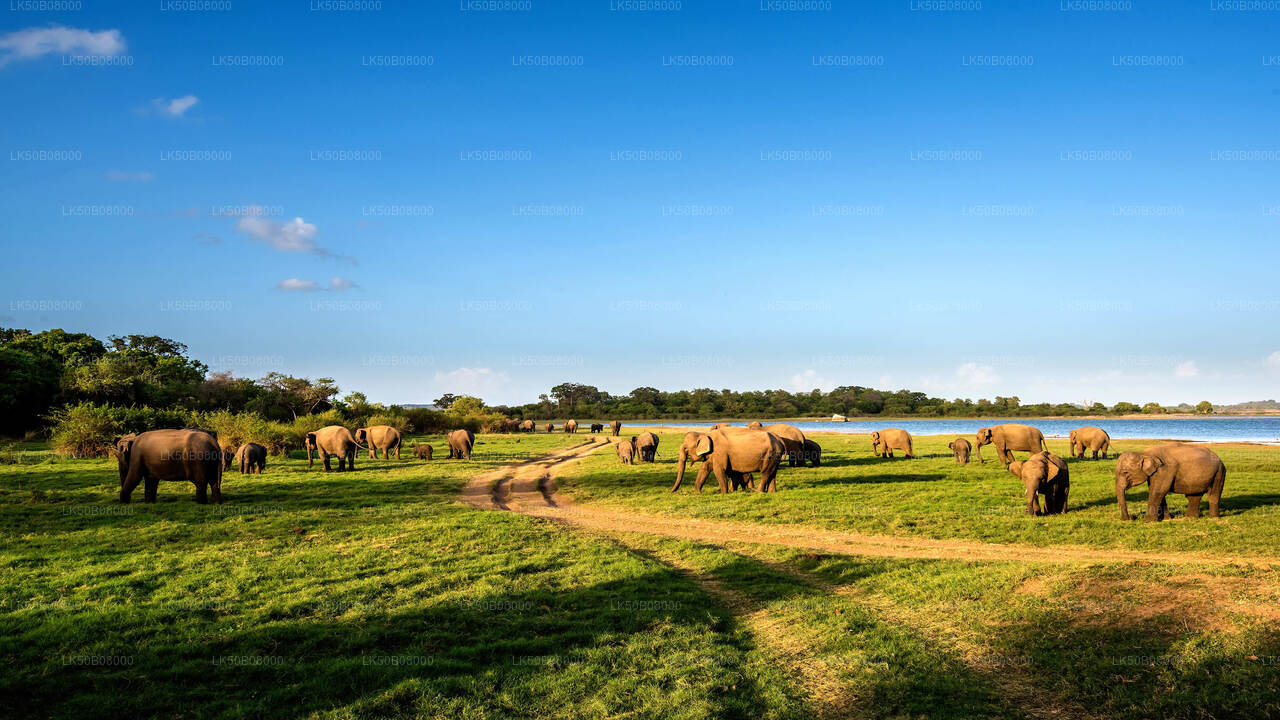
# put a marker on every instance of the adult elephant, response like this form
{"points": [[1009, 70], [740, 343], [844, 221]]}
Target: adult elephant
{"points": [[571, 426], [527, 426], [732, 454], [791, 437], [330, 441], [615, 426], [251, 457], [508, 425], [812, 452], [961, 448], [1183, 469], [884, 442], [190, 455], [646, 446], [1044, 474], [597, 427], [460, 443], [1010, 437], [627, 451], [380, 437], [550, 427], [1089, 438]]}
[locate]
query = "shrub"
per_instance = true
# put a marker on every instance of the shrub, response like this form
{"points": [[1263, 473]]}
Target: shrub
{"points": [[399, 422], [235, 429], [84, 430], [304, 424]]}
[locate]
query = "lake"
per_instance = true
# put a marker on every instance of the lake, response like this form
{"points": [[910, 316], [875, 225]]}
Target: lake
{"points": [[1216, 429]]}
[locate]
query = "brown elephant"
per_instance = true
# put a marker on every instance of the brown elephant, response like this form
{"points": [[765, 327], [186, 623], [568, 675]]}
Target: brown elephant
{"points": [[333, 440], [527, 426], [190, 455], [424, 452], [732, 454], [627, 451], [1010, 437], [646, 446], [550, 427], [571, 426], [615, 426], [961, 448], [884, 442], [460, 444], [597, 427], [812, 452], [380, 437], [1044, 474], [251, 457], [1184, 469], [791, 437], [508, 425], [1089, 438]]}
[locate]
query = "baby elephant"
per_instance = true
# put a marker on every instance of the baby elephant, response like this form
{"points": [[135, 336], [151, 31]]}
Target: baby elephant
{"points": [[597, 427], [423, 451], [961, 448], [627, 451], [1046, 474], [251, 457]]}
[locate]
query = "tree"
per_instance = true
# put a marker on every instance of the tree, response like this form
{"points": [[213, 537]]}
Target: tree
{"points": [[299, 395], [1153, 408], [445, 401], [1204, 407], [1125, 408], [467, 405]]}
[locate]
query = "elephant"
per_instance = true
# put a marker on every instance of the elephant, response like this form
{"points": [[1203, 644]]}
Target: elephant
{"points": [[424, 452], [1046, 474], [380, 437], [646, 446], [527, 426], [550, 427], [615, 426], [791, 437], [333, 440], [891, 439], [961, 448], [251, 456], [627, 451], [508, 425], [732, 454], [597, 427], [1174, 467], [812, 452], [190, 455], [1089, 438], [460, 443], [1010, 437], [571, 426]]}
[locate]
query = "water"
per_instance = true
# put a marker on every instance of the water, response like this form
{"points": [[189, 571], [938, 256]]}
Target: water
{"points": [[1252, 429]]}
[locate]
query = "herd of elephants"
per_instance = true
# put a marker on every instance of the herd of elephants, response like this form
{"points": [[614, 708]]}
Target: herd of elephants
{"points": [[735, 454]]}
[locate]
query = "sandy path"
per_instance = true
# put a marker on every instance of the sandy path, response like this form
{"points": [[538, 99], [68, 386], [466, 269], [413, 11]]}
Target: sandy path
{"points": [[529, 488]]}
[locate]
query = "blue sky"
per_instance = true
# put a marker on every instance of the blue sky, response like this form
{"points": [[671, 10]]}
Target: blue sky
{"points": [[966, 198]]}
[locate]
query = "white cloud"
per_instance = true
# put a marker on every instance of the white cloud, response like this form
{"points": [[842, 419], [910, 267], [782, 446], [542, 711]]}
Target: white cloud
{"points": [[174, 107], [337, 283], [297, 235], [1186, 369], [483, 383], [808, 380], [122, 176], [975, 374], [1273, 360], [31, 43], [296, 285]]}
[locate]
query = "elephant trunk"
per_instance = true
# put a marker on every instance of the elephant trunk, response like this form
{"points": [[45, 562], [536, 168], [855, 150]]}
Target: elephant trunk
{"points": [[979, 447], [684, 457], [1121, 486]]}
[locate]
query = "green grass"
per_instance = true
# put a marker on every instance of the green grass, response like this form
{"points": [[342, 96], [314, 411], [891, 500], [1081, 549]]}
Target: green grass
{"points": [[932, 496]]}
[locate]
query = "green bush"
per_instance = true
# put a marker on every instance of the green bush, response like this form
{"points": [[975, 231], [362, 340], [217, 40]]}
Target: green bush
{"points": [[235, 429], [399, 422], [84, 430], [304, 424]]}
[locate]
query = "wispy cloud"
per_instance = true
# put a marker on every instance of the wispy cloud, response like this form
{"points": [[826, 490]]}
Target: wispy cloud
{"points": [[809, 380], [31, 43], [297, 235], [477, 381], [174, 107], [122, 176], [975, 374], [336, 284], [1188, 369]]}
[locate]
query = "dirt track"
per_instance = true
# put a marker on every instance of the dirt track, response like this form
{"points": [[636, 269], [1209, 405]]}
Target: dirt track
{"points": [[529, 488]]}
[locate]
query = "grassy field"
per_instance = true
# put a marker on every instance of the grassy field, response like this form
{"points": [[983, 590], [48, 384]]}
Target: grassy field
{"points": [[377, 594]]}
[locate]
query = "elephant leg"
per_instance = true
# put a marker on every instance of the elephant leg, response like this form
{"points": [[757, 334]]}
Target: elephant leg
{"points": [[1157, 508], [722, 480], [131, 481], [1193, 506], [703, 471], [1033, 503], [149, 487], [351, 461], [202, 491], [326, 462], [397, 452]]}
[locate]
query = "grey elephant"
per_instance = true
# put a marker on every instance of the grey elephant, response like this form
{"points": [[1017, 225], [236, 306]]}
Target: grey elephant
{"points": [[1044, 474], [571, 426], [550, 427], [423, 451], [380, 437], [460, 443], [332, 441], [615, 426], [646, 446], [792, 440], [597, 427], [1183, 469], [251, 457], [884, 442], [812, 452], [1010, 437], [193, 456], [733, 454], [627, 451], [961, 448], [1089, 438]]}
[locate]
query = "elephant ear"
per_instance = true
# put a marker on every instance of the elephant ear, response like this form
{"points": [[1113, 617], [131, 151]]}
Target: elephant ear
{"points": [[951, 445], [311, 438], [1015, 467], [1051, 469], [124, 445], [704, 446], [1150, 464], [875, 436]]}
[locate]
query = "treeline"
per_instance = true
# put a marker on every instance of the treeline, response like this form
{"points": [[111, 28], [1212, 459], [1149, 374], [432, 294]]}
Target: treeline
{"points": [[585, 401]]}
